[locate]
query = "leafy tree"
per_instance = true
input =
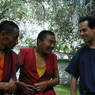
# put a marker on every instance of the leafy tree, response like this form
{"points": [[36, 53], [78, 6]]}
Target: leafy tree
{"points": [[61, 16]]}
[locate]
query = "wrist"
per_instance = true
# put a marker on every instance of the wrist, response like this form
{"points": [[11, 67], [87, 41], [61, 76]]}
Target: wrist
{"points": [[48, 83], [6, 87], [20, 84]]}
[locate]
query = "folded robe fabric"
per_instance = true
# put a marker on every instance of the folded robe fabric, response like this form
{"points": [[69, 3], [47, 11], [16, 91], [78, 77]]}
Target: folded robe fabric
{"points": [[28, 70], [10, 63]]}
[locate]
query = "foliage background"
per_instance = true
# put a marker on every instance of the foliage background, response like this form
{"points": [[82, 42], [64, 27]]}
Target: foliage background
{"points": [[59, 16]]}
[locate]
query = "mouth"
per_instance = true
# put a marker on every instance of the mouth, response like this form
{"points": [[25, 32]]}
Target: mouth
{"points": [[50, 49], [85, 38]]}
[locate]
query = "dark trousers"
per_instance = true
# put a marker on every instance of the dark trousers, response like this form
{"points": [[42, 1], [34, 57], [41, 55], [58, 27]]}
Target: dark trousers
{"points": [[82, 94], [87, 93]]}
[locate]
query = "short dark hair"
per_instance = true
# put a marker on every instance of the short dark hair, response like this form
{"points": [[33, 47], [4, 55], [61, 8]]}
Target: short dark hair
{"points": [[90, 19], [43, 34], [8, 25]]}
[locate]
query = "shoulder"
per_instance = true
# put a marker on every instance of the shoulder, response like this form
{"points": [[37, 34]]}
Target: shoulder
{"points": [[78, 54], [14, 53], [53, 55], [81, 50], [26, 50]]}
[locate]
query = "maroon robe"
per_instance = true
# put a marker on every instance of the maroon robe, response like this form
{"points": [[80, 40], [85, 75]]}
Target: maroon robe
{"points": [[10, 63], [28, 71]]}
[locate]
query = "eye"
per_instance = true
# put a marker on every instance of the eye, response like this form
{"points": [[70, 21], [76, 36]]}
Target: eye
{"points": [[52, 42], [83, 30], [15, 37]]}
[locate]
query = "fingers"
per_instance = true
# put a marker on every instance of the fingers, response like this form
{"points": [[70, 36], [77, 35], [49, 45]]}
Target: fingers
{"points": [[7, 94], [30, 89], [40, 87]]}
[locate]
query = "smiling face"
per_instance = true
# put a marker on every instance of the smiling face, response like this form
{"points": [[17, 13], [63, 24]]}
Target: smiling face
{"points": [[8, 41], [86, 32], [47, 44], [9, 32]]}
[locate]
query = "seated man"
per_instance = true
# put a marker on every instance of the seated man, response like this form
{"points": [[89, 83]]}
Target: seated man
{"points": [[39, 70], [9, 33]]}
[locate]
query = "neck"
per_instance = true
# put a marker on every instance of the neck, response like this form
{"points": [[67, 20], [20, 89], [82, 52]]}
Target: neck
{"points": [[1, 52], [39, 52], [1, 48], [92, 44]]}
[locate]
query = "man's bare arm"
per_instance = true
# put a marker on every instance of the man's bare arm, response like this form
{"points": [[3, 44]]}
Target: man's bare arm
{"points": [[73, 86]]}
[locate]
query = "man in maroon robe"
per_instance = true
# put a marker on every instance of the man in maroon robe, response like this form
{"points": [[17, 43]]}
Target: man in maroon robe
{"points": [[9, 33], [39, 70]]}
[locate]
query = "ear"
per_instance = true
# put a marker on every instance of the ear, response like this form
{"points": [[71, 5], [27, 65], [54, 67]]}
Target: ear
{"points": [[94, 29], [39, 42], [4, 36]]}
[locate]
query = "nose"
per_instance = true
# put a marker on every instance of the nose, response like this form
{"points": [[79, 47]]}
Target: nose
{"points": [[81, 33], [17, 41], [52, 45]]}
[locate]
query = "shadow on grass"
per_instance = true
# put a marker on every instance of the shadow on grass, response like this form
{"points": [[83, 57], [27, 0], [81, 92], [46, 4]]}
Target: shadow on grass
{"points": [[62, 90]]}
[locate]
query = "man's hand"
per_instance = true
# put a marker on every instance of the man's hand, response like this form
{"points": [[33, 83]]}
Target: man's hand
{"points": [[26, 88], [41, 86], [7, 94], [10, 87]]}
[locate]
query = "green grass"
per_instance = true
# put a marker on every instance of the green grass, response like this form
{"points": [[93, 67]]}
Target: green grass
{"points": [[62, 90]]}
